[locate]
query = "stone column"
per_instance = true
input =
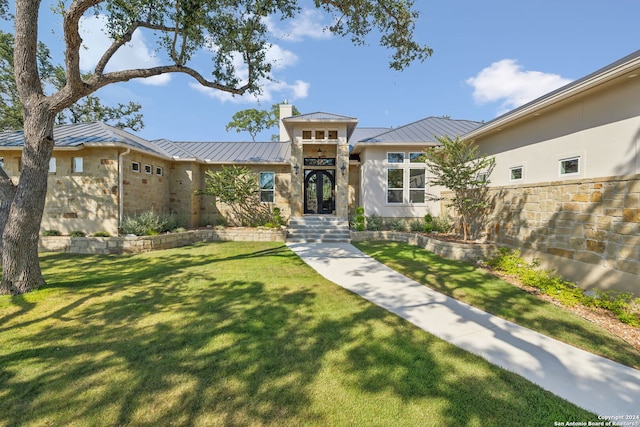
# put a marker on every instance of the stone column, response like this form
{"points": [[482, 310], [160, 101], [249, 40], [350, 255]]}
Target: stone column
{"points": [[297, 180], [342, 181]]}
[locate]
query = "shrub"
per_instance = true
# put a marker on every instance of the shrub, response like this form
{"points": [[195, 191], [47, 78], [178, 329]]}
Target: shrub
{"points": [[48, 233], [149, 223], [101, 234], [77, 233], [374, 222], [622, 304], [396, 224], [441, 224], [276, 217], [360, 219], [416, 226]]}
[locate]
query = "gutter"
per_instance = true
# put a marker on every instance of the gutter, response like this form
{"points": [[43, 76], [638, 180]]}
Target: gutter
{"points": [[121, 186]]}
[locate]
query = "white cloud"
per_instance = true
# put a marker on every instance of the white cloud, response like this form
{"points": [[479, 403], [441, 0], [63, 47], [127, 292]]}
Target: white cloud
{"points": [[508, 82], [309, 24], [271, 92], [135, 54]]}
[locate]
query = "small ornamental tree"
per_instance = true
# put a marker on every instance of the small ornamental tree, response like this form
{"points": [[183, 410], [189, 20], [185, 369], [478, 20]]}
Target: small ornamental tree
{"points": [[237, 187], [456, 165]]}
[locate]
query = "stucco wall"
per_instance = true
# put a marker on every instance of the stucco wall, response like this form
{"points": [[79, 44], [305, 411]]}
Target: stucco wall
{"points": [[602, 127], [374, 185]]}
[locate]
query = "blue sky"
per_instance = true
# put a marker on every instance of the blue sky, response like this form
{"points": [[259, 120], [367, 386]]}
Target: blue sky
{"points": [[489, 57]]}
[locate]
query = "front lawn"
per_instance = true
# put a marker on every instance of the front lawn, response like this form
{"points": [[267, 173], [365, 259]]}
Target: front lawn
{"points": [[236, 334], [481, 289]]}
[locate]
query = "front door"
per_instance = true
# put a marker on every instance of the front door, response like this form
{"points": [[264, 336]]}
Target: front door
{"points": [[319, 191]]}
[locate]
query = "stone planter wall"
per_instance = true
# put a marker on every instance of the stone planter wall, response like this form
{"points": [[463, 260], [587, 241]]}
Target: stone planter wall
{"points": [[450, 250], [132, 245]]}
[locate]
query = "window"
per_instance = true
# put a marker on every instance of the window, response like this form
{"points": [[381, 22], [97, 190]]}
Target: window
{"points": [[333, 134], [267, 186], [319, 134], [2, 162], [417, 185], [395, 157], [516, 173], [306, 134], [148, 169], [417, 158], [159, 171], [77, 164], [482, 177], [570, 166], [395, 185], [52, 165], [135, 166]]}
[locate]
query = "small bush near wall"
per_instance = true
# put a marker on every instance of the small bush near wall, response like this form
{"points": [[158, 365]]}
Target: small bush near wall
{"points": [[149, 223]]}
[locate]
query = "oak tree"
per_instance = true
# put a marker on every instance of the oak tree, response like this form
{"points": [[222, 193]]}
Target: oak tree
{"points": [[230, 31]]}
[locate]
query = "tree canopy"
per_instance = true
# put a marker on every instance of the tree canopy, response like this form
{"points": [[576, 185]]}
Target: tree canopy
{"points": [[87, 109], [233, 33], [255, 121]]}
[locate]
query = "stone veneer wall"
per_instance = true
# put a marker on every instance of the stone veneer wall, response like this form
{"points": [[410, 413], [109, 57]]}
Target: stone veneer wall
{"points": [[587, 229], [131, 245], [85, 201], [450, 250]]}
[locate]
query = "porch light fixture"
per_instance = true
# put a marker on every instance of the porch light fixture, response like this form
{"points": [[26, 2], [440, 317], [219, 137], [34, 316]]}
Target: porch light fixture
{"points": [[296, 168], [320, 153], [343, 168]]}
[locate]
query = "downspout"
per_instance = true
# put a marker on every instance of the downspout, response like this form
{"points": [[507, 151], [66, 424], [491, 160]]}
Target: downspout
{"points": [[121, 186]]}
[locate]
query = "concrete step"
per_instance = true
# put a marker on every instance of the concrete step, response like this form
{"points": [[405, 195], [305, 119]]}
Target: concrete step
{"points": [[318, 229]]}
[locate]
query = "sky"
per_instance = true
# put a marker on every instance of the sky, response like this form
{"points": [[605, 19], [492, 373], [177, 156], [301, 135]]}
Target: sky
{"points": [[489, 57]]}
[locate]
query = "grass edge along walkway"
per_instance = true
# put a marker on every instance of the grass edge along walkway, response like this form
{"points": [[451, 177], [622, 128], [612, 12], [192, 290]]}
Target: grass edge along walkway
{"points": [[236, 333], [480, 289]]}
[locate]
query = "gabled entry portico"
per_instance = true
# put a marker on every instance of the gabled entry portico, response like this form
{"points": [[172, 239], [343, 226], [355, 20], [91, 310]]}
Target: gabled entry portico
{"points": [[319, 161]]}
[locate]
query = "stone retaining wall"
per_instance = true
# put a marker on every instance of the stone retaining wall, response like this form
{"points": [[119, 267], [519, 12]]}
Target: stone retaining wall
{"points": [[587, 230], [132, 245], [457, 251]]}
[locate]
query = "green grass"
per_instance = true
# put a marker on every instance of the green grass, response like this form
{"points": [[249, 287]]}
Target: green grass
{"points": [[480, 289], [236, 334]]}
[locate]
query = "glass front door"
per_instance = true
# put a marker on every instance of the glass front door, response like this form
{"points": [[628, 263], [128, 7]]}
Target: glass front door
{"points": [[319, 191]]}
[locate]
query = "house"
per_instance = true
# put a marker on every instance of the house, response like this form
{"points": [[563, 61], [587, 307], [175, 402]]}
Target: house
{"points": [[565, 188]]}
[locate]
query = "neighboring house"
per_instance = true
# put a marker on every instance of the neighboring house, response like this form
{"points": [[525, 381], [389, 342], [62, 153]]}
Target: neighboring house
{"points": [[566, 185]]}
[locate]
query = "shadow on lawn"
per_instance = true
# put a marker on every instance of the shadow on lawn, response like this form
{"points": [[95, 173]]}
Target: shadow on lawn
{"points": [[479, 288], [162, 340]]}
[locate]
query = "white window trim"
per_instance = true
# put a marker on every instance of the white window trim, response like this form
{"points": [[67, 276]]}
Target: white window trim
{"points": [[159, 171], [577, 157], [403, 188], [77, 164], [512, 168], [52, 165], [404, 158], [148, 169], [272, 190], [134, 166]]}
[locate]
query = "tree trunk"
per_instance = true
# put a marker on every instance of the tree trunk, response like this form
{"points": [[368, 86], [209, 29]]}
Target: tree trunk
{"points": [[20, 264]]}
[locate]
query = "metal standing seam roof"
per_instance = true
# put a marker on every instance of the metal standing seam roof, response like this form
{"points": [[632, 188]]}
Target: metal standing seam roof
{"points": [[238, 152], [425, 130], [75, 135]]}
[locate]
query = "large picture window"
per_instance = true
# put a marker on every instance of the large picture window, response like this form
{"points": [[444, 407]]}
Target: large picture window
{"points": [[395, 185], [267, 186]]}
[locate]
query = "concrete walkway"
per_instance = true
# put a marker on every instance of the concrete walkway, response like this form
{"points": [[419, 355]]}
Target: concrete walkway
{"points": [[591, 382]]}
